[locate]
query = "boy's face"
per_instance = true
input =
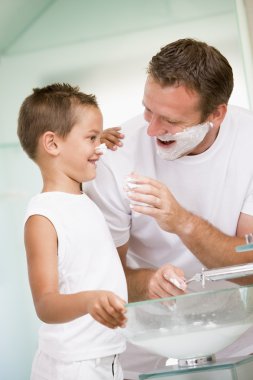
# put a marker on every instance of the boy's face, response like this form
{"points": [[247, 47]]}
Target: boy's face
{"points": [[78, 157]]}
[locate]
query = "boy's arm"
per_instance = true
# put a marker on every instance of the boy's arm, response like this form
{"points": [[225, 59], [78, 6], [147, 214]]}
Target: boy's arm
{"points": [[51, 306], [112, 138]]}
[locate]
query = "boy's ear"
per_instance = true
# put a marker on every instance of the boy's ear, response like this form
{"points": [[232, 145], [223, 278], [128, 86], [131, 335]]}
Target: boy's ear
{"points": [[50, 143]]}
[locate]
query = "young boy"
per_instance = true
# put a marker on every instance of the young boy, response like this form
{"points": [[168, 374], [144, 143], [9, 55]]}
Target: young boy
{"points": [[76, 278]]}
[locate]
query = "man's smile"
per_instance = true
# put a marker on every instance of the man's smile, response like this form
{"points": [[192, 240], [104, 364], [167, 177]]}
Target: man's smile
{"points": [[165, 143]]}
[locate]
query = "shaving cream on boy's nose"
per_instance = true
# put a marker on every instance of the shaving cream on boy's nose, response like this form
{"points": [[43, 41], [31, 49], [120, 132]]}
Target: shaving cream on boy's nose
{"points": [[102, 148]]}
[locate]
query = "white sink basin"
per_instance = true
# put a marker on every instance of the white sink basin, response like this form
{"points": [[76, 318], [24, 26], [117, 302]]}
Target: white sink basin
{"points": [[192, 325]]}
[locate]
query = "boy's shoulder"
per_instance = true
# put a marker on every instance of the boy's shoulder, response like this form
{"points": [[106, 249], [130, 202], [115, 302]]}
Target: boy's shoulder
{"points": [[45, 202], [41, 198]]}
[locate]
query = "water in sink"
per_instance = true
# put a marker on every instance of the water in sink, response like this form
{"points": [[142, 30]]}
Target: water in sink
{"points": [[207, 341]]}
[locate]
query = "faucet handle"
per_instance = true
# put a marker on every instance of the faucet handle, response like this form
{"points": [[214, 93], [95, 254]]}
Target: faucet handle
{"points": [[248, 246]]}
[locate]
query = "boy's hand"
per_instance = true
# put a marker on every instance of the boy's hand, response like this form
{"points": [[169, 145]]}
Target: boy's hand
{"points": [[107, 308], [112, 138]]}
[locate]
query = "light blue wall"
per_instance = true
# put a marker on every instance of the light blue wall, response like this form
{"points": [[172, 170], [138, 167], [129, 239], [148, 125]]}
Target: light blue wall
{"points": [[19, 178], [113, 68]]}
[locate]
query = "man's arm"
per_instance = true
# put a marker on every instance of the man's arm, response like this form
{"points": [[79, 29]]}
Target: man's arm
{"points": [[211, 246], [214, 248], [146, 283]]}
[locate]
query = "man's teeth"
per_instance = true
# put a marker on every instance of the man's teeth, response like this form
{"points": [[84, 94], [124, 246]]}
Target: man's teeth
{"points": [[166, 141], [165, 138]]}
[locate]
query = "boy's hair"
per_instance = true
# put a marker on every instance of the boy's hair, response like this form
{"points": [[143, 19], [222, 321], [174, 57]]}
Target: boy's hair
{"points": [[51, 108], [197, 66]]}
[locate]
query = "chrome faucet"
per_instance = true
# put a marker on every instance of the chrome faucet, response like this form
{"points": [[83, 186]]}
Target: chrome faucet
{"points": [[225, 273]]}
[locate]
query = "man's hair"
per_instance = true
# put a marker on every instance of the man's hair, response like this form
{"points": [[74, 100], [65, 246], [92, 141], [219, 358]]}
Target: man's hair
{"points": [[51, 108], [197, 66]]}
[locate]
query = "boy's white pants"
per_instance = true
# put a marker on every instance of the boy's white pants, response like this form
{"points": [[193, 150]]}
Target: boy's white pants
{"points": [[46, 368]]}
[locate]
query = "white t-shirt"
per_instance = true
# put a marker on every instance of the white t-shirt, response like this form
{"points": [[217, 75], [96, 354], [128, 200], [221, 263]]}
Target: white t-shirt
{"points": [[87, 260], [216, 185]]}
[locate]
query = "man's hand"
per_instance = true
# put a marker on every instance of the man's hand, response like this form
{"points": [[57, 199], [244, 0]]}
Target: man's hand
{"points": [[160, 203], [166, 281], [148, 283]]}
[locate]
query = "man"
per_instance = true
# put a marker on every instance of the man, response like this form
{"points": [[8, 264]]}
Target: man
{"points": [[197, 154]]}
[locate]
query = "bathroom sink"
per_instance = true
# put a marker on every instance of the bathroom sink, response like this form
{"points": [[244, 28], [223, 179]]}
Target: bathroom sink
{"points": [[191, 325]]}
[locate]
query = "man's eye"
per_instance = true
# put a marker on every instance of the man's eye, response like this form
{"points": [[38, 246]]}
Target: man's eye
{"points": [[171, 123]]}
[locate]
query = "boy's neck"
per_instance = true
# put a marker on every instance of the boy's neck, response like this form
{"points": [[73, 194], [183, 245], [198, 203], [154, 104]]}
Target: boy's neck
{"points": [[55, 180], [71, 188]]}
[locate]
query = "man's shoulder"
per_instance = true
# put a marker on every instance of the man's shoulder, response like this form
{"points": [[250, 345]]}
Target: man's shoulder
{"points": [[239, 121], [136, 136], [238, 130], [239, 112], [132, 126], [135, 144]]}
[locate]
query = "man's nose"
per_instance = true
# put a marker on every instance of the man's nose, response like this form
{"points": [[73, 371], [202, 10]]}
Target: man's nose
{"points": [[153, 126]]}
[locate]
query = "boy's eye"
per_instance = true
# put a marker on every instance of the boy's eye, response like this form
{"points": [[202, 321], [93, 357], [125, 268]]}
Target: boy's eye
{"points": [[93, 138]]}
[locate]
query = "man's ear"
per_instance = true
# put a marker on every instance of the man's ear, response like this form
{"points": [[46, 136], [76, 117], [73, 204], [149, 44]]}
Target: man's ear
{"points": [[217, 116], [50, 142]]}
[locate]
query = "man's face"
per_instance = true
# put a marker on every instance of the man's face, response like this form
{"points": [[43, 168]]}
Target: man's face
{"points": [[169, 110]]}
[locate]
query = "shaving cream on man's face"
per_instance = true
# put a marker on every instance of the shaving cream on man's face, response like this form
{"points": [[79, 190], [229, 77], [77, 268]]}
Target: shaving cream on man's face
{"points": [[183, 142]]}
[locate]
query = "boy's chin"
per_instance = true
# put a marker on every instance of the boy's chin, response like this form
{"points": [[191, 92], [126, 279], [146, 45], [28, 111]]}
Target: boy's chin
{"points": [[89, 177]]}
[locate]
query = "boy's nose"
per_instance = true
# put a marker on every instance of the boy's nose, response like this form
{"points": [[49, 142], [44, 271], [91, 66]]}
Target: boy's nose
{"points": [[100, 149]]}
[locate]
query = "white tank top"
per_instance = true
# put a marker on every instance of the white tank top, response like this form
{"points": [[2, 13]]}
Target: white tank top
{"points": [[87, 260]]}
